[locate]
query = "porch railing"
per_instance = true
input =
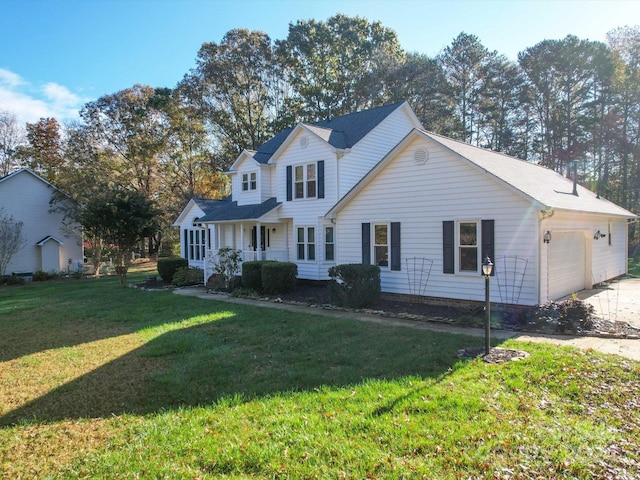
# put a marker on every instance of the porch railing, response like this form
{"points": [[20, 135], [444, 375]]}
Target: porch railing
{"points": [[277, 255]]}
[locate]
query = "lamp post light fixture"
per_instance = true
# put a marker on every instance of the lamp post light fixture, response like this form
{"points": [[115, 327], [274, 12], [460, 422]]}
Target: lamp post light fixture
{"points": [[487, 269]]}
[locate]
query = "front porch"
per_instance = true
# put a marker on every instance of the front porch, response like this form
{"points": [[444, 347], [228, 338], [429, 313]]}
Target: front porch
{"points": [[254, 241]]}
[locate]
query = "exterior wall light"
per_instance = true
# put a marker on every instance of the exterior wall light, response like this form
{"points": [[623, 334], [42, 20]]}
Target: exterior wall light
{"points": [[598, 235], [547, 237]]}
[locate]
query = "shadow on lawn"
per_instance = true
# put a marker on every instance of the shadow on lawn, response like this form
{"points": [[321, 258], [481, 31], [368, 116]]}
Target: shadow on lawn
{"points": [[65, 313], [247, 356]]}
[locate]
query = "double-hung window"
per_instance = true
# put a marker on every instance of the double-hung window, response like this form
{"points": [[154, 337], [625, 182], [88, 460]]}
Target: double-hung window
{"points": [[249, 181], [468, 246], [329, 244], [381, 244], [465, 243], [305, 181], [306, 243]]}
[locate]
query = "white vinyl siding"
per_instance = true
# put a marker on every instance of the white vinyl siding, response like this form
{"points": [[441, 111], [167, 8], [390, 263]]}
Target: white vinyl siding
{"points": [[371, 149], [26, 198], [306, 210], [421, 197]]}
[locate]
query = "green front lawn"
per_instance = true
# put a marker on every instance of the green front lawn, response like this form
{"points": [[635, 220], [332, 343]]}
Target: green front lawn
{"points": [[100, 381], [634, 268]]}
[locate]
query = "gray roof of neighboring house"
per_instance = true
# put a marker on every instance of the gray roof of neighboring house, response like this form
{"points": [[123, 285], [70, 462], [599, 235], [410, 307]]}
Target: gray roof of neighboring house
{"points": [[546, 186], [226, 210], [340, 132]]}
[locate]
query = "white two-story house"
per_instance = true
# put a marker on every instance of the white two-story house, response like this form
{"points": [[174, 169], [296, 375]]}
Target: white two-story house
{"points": [[373, 187], [281, 192]]}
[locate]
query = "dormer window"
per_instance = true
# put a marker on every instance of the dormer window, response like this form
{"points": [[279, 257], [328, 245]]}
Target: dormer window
{"points": [[249, 181]]}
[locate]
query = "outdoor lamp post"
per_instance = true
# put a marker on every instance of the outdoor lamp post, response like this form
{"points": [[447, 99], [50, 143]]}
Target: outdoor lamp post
{"points": [[487, 268]]}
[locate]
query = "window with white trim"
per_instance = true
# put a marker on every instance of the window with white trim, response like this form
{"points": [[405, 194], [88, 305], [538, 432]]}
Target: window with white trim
{"points": [[195, 241], [381, 244], [468, 246], [305, 181], [249, 181], [306, 243], [329, 244]]}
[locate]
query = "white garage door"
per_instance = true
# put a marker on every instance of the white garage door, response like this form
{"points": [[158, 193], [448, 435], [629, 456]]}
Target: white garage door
{"points": [[567, 264]]}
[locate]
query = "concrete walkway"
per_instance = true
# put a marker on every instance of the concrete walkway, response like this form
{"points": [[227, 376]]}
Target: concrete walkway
{"points": [[625, 347], [617, 301]]}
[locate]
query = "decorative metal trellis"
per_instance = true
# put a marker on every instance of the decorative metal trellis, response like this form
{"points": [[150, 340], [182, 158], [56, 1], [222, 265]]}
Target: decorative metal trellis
{"points": [[418, 273], [510, 273]]}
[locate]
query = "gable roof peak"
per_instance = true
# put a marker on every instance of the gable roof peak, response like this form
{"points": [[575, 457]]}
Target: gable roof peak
{"points": [[340, 132]]}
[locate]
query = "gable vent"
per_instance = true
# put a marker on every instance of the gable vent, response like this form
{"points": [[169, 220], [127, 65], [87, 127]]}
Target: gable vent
{"points": [[304, 141], [420, 156]]}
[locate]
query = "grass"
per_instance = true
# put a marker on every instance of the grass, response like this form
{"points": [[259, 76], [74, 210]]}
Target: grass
{"points": [[100, 381], [634, 267]]}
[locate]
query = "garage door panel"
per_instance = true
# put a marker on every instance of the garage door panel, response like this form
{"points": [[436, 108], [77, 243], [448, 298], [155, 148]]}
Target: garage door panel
{"points": [[566, 263]]}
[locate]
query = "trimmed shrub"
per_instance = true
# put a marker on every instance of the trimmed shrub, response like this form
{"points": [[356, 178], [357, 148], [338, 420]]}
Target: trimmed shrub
{"points": [[354, 285], [279, 277], [14, 280], [252, 275], [40, 276], [184, 276], [168, 266]]}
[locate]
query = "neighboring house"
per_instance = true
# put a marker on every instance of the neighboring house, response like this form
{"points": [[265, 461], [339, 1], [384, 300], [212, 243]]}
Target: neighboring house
{"points": [[50, 245], [425, 208]]}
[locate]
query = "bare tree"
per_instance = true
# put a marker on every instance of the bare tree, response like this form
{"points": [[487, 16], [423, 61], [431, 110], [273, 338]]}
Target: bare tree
{"points": [[11, 240], [10, 138]]}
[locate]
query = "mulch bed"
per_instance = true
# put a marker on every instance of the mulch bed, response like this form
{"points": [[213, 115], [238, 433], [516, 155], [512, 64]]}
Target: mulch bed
{"points": [[317, 294]]}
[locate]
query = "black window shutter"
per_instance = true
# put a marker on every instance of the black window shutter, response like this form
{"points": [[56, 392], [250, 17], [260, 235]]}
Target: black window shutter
{"points": [[395, 245], [366, 243], [321, 179], [289, 183], [186, 243], [488, 242], [448, 247]]}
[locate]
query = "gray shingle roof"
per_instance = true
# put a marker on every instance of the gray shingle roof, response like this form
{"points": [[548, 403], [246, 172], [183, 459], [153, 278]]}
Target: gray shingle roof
{"points": [[340, 132], [546, 186], [226, 210]]}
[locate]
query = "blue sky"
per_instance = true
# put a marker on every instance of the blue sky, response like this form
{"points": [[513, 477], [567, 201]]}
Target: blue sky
{"points": [[56, 55]]}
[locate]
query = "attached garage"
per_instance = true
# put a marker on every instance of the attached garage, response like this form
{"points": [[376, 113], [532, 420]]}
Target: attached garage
{"points": [[567, 263]]}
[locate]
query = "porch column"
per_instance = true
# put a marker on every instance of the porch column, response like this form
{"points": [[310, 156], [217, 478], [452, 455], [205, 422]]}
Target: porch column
{"points": [[258, 241], [241, 240]]}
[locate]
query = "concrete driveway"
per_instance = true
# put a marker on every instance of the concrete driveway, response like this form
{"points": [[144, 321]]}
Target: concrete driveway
{"points": [[617, 301]]}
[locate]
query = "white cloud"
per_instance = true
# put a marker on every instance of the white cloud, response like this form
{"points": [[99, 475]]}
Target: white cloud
{"points": [[29, 102], [9, 78]]}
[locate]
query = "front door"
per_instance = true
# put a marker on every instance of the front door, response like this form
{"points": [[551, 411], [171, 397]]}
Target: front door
{"points": [[264, 238]]}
